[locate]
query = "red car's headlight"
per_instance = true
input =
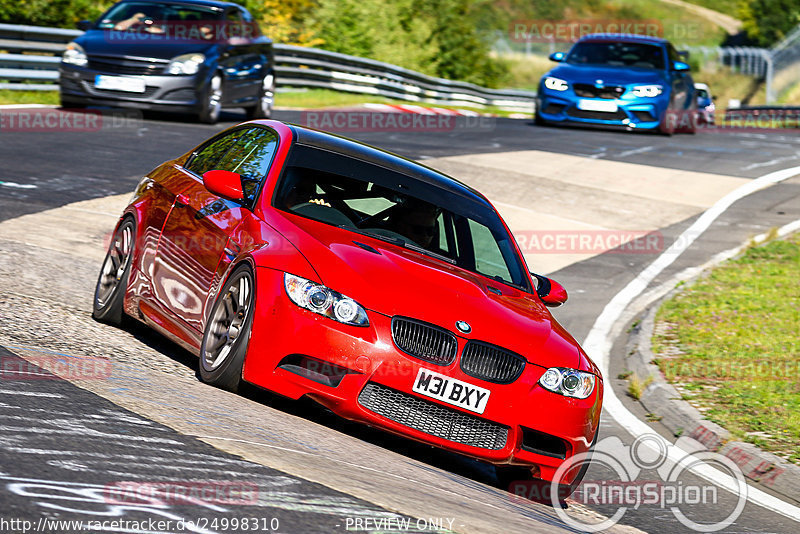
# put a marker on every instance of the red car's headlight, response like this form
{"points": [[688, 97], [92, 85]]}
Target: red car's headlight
{"points": [[324, 301], [568, 382]]}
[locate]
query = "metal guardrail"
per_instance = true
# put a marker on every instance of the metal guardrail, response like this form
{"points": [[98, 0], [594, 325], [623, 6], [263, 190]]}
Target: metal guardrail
{"points": [[33, 54]]}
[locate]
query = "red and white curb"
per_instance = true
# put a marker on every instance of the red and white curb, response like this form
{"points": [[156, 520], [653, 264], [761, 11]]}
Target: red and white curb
{"points": [[421, 110]]}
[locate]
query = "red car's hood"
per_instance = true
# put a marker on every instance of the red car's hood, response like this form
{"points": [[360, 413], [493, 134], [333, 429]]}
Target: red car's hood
{"points": [[393, 281]]}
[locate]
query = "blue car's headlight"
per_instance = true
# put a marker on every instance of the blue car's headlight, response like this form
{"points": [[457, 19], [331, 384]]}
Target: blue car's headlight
{"points": [[186, 64], [647, 91], [324, 301], [568, 382], [556, 84], [75, 55]]}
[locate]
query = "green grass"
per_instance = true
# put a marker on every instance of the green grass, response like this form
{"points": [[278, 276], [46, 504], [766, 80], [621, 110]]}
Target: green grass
{"points": [[680, 26], [28, 97], [738, 348], [636, 386], [311, 99], [729, 7], [323, 98]]}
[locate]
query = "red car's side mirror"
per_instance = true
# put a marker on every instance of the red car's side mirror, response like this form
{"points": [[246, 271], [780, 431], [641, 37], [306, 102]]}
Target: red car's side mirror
{"points": [[225, 184], [551, 292]]}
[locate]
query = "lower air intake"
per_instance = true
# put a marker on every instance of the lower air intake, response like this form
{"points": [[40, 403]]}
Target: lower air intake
{"points": [[432, 418]]}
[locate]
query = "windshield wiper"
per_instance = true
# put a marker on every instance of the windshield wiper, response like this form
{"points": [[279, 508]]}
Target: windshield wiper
{"points": [[426, 252], [388, 239], [400, 242]]}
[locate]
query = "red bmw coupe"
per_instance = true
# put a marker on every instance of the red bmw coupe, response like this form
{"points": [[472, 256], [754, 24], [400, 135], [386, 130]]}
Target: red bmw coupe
{"points": [[309, 264]]}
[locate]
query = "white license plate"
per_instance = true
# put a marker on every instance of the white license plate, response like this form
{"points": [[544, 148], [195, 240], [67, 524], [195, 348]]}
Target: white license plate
{"points": [[119, 83], [597, 105], [451, 391]]}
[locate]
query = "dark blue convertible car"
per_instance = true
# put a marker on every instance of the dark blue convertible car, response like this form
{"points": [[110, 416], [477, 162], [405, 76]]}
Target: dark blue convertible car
{"points": [[628, 81]]}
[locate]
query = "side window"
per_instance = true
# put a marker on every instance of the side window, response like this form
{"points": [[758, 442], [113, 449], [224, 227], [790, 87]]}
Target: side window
{"points": [[234, 26], [206, 157], [673, 54], [250, 157], [489, 259]]}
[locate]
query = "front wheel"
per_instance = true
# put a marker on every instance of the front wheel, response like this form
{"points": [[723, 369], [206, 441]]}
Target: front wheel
{"points": [[109, 294], [266, 99], [227, 332], [211, 101]]}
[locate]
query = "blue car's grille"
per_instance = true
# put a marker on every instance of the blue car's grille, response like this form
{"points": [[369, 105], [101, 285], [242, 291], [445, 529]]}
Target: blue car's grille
{"points": [[586, 90], [116, 65]]}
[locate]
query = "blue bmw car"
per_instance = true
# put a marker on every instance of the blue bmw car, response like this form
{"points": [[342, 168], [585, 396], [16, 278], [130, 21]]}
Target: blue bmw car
{"points": [[629, 81]]}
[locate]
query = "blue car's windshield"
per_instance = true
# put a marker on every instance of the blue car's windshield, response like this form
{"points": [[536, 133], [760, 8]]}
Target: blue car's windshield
{"points": [[617, 54], [154, 17]]}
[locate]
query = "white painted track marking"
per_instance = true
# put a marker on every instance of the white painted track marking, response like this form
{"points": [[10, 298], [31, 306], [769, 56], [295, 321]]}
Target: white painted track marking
{"points": [[30, 393], [598, 342]]}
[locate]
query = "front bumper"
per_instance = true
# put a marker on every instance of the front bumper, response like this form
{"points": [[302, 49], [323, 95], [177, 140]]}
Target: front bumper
{"points": [[162, 93], [533, 423], [638, 114]]}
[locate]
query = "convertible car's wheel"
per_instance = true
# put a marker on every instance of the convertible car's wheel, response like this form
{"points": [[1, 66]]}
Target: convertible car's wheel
{"points": [[110, 291], [212, 101], [266, 99], [227, 332]]}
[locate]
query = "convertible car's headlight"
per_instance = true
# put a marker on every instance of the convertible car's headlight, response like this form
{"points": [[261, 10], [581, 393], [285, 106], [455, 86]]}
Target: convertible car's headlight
{"points": [[647, 91], [568, 382], [186, 64], [324, 301], [74, 55], [556, 84]]}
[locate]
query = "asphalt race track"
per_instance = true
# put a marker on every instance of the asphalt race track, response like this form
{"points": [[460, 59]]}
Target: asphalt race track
{"points": [[68, 448]]}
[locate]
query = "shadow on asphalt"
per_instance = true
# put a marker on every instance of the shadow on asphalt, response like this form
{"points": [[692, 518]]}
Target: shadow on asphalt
{"points": [[451, 463]]}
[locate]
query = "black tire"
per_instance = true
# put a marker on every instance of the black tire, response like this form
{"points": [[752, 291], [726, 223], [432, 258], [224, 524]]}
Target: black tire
{"points": [[266, 99], [694, 119], [664, 127], [509, 474], [227, 332], [109, 293], [538, 120], [66, 103], [211, 101]]}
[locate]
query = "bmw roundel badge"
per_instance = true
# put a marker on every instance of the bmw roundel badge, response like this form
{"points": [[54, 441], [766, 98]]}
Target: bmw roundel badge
{"points": [[463, 326]]}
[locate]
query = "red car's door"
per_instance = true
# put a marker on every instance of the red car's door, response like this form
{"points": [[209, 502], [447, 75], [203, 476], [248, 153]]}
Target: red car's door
{"points": [[195, 236]]}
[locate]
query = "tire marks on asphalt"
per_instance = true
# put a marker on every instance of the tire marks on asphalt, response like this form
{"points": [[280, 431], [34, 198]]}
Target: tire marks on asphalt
{"points": [[127, 466]]}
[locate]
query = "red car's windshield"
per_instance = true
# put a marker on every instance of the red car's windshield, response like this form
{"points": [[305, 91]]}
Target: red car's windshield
{"points": [[375, 202]]}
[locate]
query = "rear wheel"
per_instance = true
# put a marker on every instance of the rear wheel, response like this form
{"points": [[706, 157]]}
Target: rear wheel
{"points": [[211, 101], [227, 332], [109, 294], [266, 99]]}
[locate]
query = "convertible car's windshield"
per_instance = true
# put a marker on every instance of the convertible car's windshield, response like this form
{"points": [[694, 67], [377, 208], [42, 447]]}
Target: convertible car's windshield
{"points": [[617, 54], [393, 207]]}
